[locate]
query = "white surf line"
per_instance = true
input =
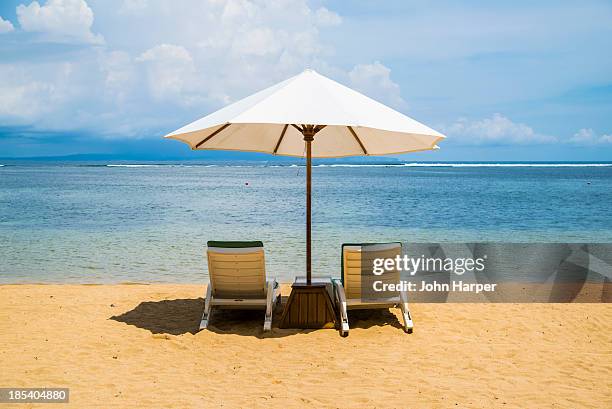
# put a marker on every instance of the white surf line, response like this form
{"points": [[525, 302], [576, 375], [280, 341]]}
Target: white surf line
{"points": [[509, 165]]}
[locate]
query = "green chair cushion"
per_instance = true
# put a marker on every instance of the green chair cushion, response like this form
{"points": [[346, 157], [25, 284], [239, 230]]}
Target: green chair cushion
{"points": [[234, 244]]}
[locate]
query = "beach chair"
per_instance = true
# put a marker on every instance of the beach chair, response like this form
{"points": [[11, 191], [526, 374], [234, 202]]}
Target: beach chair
{"points": [[237, 273], [352, 290]]}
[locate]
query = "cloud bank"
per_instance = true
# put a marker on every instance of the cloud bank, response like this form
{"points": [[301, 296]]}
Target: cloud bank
{"points": [[497, 129], [139, 68], [586, 136]]}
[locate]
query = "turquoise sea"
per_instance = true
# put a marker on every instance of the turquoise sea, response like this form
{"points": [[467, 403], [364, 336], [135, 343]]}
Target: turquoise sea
{"points": [[129, 222]]}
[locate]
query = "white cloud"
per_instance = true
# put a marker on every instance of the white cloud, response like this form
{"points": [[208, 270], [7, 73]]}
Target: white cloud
{"points": [[259, 41], [170, 72], [587, 137], [583, 135], [119, 75], [262, 34], [60, 20], [375, 81], [26, 101], [497, 130], [5, 26], [132, 6], [327, 18], [27, 96]]}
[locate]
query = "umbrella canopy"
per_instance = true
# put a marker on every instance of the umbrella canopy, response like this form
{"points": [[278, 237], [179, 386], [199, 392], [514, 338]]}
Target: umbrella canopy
{"points": [[312, 116], [354, 124]]}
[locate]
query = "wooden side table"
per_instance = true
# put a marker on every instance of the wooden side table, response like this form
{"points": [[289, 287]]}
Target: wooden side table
{"points": [[309, 306]]}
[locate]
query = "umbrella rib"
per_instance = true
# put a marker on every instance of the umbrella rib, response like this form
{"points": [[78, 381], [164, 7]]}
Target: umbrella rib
{"points": [[357, 139], [210, 136], [280, 139], [297, 127]]}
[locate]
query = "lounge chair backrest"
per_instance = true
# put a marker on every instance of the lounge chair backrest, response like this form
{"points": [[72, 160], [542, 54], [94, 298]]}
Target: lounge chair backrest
{"points": [[353, 255], [237, 269]]}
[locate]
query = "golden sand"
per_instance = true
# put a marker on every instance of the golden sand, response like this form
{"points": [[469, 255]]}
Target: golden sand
{"points": [[132, 346]]}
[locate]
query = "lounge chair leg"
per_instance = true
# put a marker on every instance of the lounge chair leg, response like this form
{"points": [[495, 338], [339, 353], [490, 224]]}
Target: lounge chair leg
{"points": [[408, 325], [341, 305], [270, 303], [207, 308]]}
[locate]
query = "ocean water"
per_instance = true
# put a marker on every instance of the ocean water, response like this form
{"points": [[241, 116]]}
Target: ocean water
{"points": [[95, 223]]}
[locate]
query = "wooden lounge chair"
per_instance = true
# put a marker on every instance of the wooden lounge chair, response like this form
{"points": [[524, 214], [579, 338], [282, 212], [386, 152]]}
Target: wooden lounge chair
{"points": [[237, 273], [353, 290]]}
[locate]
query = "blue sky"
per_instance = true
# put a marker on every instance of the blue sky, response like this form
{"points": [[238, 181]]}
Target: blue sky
{"points": [[503, 80]]}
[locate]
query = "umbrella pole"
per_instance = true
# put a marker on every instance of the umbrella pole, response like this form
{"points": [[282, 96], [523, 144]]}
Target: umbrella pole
{"points": [[309, 305], [308, 138]]}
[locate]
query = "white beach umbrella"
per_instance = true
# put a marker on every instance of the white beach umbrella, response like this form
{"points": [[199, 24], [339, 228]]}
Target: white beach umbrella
{"points": [[309, 116]]}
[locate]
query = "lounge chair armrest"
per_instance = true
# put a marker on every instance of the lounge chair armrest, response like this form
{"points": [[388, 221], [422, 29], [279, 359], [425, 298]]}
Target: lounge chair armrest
{"points": [[207, 307], [271, 296], [341, 305], [339, 289], [403, 296], [407, 317], [271, 286]]}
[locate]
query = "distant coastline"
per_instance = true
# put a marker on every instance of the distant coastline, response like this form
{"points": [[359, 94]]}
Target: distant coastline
{"points": [[227, 158], [296, 163]]}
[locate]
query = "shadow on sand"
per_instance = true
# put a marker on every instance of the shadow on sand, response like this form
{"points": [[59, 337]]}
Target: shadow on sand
{"points": [[182, 316]]}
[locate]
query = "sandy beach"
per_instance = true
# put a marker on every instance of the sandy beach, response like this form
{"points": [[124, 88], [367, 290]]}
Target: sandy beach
{"points": [[137, 346]]}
